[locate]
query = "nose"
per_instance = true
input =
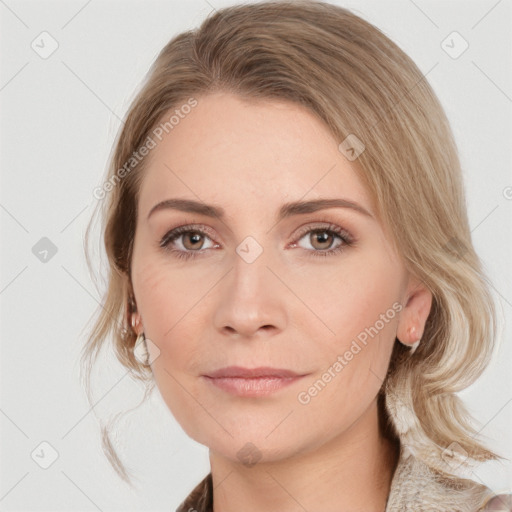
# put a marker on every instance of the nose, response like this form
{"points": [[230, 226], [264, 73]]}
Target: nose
{"points": [[251, 301]]}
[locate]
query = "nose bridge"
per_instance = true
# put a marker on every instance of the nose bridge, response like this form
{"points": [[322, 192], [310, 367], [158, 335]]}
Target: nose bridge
{"points": [[250, 272], [250, 296]]}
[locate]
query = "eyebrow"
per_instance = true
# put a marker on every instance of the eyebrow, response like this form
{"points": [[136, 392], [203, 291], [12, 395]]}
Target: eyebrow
{"points": [[286, 210]]}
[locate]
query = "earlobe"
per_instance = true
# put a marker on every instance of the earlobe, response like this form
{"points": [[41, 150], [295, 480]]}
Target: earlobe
{"points": [[133, 316], [412, 320]]}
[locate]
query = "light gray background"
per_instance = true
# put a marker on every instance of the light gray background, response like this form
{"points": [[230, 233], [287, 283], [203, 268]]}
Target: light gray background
{"points": [[59, 117]]}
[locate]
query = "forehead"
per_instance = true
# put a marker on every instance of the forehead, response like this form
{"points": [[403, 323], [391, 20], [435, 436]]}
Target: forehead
{"points": [[248, 154]]}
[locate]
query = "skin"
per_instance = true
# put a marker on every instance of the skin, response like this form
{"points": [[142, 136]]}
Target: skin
{"points": [[289, 308]]}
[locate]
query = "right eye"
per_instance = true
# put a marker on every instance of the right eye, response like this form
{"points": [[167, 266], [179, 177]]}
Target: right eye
{"points": [[188, 239]]}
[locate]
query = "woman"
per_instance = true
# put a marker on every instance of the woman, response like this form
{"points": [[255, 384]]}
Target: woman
{"points": [[290, 253]]}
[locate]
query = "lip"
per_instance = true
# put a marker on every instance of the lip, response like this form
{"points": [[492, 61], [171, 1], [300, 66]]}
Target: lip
{"points": [[246, 373], [252, 382]]}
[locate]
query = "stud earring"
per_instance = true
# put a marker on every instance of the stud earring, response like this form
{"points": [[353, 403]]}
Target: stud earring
{"points": [[414, 345]]}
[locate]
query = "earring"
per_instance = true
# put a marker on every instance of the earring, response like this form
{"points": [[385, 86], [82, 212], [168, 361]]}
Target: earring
{"points": [[415, 345], [140, 349]]}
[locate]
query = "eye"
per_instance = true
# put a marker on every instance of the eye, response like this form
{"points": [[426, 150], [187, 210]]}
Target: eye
{"points": [[325, 240], [189, 240]]}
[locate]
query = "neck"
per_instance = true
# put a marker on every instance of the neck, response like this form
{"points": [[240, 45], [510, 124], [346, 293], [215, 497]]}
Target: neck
{"points": [[350, 472]]}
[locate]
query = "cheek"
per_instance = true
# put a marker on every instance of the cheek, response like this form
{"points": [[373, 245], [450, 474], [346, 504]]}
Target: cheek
{"points": [[352, 365], [359, 306], [169, 295], [357, 297], [170, 321], [173, 311]]}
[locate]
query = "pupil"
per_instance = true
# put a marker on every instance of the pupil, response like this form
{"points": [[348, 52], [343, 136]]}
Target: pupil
{"points": [[195, 238], [322, 237]]}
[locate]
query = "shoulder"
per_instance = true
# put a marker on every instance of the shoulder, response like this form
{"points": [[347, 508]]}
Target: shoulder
{"points": [[418, 488]]}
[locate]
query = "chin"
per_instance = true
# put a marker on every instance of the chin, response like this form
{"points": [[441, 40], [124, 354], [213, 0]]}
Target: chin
{"points": [[249, 453]]}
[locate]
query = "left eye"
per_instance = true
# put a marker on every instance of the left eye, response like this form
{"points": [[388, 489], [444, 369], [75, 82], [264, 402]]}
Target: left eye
{"points": [[323, 237]]}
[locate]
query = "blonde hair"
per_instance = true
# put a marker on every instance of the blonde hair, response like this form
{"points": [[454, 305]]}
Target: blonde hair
{"points": [[358, 82]]}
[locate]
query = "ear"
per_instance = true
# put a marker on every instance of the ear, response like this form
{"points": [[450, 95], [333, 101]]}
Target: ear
{"points": [[417, 301]]}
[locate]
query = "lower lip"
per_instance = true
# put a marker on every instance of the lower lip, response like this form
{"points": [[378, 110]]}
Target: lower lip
{"points": [[252, 387]]}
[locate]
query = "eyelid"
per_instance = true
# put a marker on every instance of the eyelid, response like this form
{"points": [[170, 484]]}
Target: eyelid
{"points": [[185, 228], [298, 233], [326, 225]]}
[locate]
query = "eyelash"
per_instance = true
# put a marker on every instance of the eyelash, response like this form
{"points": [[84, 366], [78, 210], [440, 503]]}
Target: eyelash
{"points": [[342, 234]]}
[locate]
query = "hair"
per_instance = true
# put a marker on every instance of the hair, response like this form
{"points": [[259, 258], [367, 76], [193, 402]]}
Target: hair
{"points": [[358, 82]]}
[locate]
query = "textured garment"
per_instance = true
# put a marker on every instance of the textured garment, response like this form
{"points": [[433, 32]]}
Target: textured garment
{"points": [[414, 488]]}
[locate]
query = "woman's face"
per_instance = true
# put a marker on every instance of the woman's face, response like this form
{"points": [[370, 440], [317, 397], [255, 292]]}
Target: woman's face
{"points": [[256, 288]]}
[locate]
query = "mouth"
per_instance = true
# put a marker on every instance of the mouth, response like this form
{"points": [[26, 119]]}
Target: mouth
{"points": [[252, 382]]}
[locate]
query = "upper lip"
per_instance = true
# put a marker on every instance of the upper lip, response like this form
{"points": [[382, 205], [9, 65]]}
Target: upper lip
{"points": [[261, 371]]}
